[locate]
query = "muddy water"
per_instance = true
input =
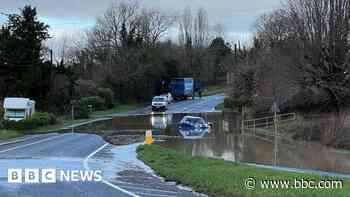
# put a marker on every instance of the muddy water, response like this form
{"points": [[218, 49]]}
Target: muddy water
{"points": [[225, 141]]}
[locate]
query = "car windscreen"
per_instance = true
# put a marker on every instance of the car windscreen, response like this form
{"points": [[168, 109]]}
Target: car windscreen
{"points": [[158, 99], [195, 120]]}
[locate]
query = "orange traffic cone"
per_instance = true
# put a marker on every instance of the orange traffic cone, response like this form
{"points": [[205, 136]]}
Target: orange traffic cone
{"points": [[149, 138]]}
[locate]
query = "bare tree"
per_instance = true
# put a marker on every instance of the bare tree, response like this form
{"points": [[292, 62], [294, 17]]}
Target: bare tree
{"points": [[186, 27], [153, 25], [312, 36], [124, 26], [194, 30], [308, 41]]}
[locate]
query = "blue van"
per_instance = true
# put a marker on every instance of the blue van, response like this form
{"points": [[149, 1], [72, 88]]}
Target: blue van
{"points": [[182, 88]]}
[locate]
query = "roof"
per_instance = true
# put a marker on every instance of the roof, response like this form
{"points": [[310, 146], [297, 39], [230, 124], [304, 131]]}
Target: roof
{"points": [[159, 96], [179, 78], [17, 103]]}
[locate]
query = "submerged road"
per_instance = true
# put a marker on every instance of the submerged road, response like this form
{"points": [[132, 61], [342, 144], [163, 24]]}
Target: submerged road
{"points": [[123, 174]]}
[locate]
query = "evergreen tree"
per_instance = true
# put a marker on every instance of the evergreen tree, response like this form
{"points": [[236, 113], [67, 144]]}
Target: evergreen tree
{"points": [[22, 68], [219, 51]]}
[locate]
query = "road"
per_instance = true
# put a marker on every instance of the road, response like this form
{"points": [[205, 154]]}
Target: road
{"points": [[123, 174], [197, 105]]}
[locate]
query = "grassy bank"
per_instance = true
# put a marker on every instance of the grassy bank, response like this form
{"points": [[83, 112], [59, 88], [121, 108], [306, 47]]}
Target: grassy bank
{"points": [[118, 109], [211, 90], [8, 134], [221, 178], [67, 121]]}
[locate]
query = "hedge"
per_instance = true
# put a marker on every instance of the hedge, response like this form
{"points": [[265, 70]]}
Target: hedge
{"points": [[107, 95], [2, 111], [39, 119], [81, 110], [96, 102]]}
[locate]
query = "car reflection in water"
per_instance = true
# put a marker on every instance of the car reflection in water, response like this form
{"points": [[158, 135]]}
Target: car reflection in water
{"points": [[161, 120], [192, 127]]}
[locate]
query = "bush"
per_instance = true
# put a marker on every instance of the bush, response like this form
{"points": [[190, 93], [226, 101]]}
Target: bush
{"points": [[309, 101], [96, 102], [236, 103], [39, 119], [229, 103], [86, 87], [305, 130], [108, 96], [81, 110], [2, 111]]}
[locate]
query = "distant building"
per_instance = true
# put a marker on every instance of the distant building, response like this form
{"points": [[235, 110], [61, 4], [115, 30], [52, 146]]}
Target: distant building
{"points": [[17, 109]]}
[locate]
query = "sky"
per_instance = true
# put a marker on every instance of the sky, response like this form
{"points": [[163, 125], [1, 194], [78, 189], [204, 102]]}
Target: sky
{"points": [[68, 18]]}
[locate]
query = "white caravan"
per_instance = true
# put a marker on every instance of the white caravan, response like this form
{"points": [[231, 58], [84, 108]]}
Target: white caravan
{"points": [[17, 109]]}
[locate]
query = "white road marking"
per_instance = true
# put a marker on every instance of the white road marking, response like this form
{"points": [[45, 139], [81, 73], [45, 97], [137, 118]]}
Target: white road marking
{"points": [[119, 188], [86, 166], [149, 189], [161, 195], [25, 145], [18, 140], [96, 151]]}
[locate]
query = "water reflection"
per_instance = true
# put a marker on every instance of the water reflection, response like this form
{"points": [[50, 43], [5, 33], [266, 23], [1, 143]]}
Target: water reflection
{"points": [[161, 121]]}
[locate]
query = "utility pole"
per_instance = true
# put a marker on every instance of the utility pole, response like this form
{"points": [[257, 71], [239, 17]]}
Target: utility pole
{"points": [[275, 109], [51, 57], [72, 112], [73, 102]]}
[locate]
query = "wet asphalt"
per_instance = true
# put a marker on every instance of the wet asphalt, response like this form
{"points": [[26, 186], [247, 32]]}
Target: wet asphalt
{"points": [[195, 105], [123, 174]]}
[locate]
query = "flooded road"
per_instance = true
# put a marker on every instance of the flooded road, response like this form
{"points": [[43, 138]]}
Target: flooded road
{"points": [[122, 173], [125, 175], [225, 141]]}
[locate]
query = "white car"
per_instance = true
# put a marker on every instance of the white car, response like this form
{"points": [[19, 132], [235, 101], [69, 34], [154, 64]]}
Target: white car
{"points": [[159, 103]]}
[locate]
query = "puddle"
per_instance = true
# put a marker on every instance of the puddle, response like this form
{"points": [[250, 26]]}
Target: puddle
{"points": [[224, 141]]}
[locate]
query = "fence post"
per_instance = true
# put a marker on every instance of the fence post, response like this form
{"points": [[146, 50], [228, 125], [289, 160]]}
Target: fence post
{"points": [[275, 128]]}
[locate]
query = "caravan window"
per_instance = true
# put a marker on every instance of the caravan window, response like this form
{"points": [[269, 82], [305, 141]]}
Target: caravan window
{"points": [[15, 113]]}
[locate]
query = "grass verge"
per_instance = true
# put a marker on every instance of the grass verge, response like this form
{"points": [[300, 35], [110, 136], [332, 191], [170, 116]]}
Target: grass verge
{"points": [[222, 178], [212, 90], [8, 134], [118, 109]]}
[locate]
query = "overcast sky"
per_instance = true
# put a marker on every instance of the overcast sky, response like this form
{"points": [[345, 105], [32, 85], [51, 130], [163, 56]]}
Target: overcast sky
{"points": [[68, 16]]}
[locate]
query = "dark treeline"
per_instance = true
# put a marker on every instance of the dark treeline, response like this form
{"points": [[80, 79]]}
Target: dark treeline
{"points": [[126, 51], [300, 57], [124, 55], [23, 71]]}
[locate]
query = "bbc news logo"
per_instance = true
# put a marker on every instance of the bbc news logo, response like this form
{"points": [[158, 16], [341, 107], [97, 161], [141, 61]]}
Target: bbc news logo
{"points": [[52, 176]]}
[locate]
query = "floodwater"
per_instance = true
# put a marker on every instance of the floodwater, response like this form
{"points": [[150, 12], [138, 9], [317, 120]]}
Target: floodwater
{"points": [[226, 142]]}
